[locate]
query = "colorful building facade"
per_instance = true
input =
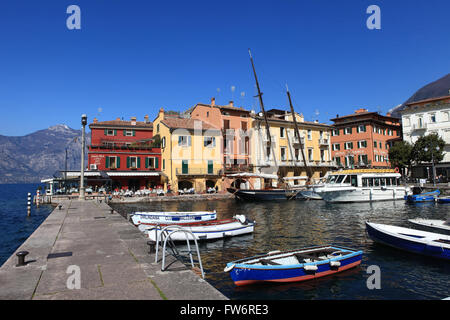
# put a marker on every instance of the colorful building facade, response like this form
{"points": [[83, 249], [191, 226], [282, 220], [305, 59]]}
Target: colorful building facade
{"points": [[363, 139], [126, 152], [191, 153]]}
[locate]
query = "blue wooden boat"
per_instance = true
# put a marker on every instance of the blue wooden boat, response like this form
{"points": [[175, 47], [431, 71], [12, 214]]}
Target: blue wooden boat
{"points": [[443, 199], [423, 197], [416, 241], [293, 266]]}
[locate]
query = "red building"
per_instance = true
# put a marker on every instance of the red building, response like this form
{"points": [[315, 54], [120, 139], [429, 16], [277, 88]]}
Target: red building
{"points": [[127, 152]]}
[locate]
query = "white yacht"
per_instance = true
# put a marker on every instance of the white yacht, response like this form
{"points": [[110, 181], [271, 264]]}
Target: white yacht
{"points": [[361, 185]]}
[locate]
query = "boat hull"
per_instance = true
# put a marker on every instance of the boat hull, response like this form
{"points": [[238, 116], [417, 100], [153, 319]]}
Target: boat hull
{"points": [[422, 197], [410, 240], [354, 194], [150, 218], [218, 230], [261, 195], [431, 223], [243, 274]]}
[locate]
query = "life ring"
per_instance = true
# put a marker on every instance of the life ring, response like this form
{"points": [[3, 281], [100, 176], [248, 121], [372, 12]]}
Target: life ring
{"points": [[397, 170]]}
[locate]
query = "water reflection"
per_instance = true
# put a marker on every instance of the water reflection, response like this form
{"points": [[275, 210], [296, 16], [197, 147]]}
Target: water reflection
{"points": [[296, 224]]}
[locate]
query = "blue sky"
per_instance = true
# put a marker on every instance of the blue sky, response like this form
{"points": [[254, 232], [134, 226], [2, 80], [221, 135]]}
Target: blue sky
{"points": [[132, 57]]}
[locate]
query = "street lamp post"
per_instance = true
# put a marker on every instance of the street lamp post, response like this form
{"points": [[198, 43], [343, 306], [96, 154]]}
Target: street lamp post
{"points": [[432, 164], [83, 122]]}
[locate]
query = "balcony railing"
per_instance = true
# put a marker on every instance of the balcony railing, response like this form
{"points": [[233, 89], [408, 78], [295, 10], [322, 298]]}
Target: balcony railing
{"points": [[238, 168], [419, 126], [324, 141], [198, 171]]}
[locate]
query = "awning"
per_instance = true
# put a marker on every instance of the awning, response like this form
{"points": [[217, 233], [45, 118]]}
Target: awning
{"points": [[253, 175], [296, 178], [133, 174]]}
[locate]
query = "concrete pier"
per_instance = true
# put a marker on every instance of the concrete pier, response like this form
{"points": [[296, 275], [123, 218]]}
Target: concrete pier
{"points": [[84, 244]]}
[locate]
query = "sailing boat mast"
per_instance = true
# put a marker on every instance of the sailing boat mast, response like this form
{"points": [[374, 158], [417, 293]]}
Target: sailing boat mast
{"points": [[297, 133], [269, 138]]}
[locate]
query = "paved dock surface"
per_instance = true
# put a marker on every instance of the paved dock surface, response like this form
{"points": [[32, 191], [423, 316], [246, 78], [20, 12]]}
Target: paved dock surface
{"points": [[110, 255]]}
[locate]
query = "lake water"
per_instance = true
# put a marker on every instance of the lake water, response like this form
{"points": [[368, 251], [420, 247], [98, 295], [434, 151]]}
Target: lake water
{"points": [[15, 226], [296, 224]]}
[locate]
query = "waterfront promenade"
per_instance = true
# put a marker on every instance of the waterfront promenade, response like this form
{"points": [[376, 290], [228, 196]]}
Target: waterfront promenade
{"points": [[111, 255]]}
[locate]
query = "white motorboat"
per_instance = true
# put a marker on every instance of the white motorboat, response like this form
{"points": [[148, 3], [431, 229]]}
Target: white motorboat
{"points": [[207, 230], [432, 223], [150, 218], [363, 185]]}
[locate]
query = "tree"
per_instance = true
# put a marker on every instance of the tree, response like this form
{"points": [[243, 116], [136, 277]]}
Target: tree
{"points": [[428, 148], [400, 154]]}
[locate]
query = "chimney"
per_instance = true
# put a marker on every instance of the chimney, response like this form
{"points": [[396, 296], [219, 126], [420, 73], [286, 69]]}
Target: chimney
{"points": [[146, 118], [388, 114], [213, 101], [133, 121], [161, 114], [361, 110], [117, 119], [95, 120], [231, 104]]}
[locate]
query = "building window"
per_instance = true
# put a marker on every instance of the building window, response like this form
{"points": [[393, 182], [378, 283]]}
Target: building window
{"points": [[348, 130], [112, 162], [362, 144], [433, 117], [184, 141], [164, 164], [348, 145], [163, 142], [322, 155], [296, 153], [129, 133], [209, 142], [110, 132], [362, 128], [375, 144], [282, 132], [336, 146], [309, 134], [157, 128], [310, 154], [337, 160], [283, 153], [133, 162], [335, 132], [151, 163], [362, 159]]}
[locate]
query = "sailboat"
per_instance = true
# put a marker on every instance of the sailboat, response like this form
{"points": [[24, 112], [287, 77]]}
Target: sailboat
{"points": [[266, 194]]}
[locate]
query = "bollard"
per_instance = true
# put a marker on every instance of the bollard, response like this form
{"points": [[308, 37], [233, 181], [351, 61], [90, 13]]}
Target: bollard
{"points": [[60, 206], [151, 245], [111, 211], [29, 205], [21, 258]]}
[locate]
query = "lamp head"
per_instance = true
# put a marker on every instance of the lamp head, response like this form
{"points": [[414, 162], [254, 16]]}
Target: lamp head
{"points": [[84, 119]]}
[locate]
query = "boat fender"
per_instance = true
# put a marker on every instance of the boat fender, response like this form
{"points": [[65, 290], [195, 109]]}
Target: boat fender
{"points": [[335, 264], [242, 219], [310, 268], [229, 268]]}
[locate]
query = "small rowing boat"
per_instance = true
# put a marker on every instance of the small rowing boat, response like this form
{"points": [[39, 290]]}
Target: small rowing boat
{"points": [[443, 199], [150, 218], [293, 266], [423, 197], [432, 223], [416, 241], [207, 230]]}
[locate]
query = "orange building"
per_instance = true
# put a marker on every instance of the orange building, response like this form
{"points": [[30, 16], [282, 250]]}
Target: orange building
{"points": [[363, 139]]}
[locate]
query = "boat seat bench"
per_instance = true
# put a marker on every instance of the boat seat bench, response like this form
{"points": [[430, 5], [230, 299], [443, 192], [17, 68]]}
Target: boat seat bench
{"points": [[266, 262]]}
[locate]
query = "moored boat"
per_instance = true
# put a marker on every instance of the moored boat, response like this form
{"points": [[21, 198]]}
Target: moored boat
{"points": [[207, 230], [443, 199], [293, 266], [432, 223], [263, 195], [150, 218], [423, 197], [363, 185], [416, 241]]}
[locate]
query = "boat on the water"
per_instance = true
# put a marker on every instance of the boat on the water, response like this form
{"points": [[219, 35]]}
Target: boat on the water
{"points": [[432, 223], [207, 230], [311, 192], [363, 185], [423, 197], [150, 218], [416, 241], [263, 194], [293, 266], [443, 199]]}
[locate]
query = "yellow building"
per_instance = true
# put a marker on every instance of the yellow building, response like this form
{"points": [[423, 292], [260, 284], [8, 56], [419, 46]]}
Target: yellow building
{"points": [[191, 153], [284, 157]]}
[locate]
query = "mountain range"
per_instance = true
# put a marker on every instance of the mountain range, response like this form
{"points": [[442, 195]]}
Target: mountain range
{"points": [[30, 158]]}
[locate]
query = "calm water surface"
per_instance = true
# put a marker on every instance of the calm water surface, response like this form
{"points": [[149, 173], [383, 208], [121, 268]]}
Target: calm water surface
{"points": [[15, 226], [295, 224]]}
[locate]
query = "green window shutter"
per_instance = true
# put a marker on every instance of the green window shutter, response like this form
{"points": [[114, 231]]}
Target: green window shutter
{"points": [[124, 133], [134, 133], [146, 162], [156, 163], [115, 132], [118, 162], [106, 132], [138, 162], [128, 162], [107, 162]]}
